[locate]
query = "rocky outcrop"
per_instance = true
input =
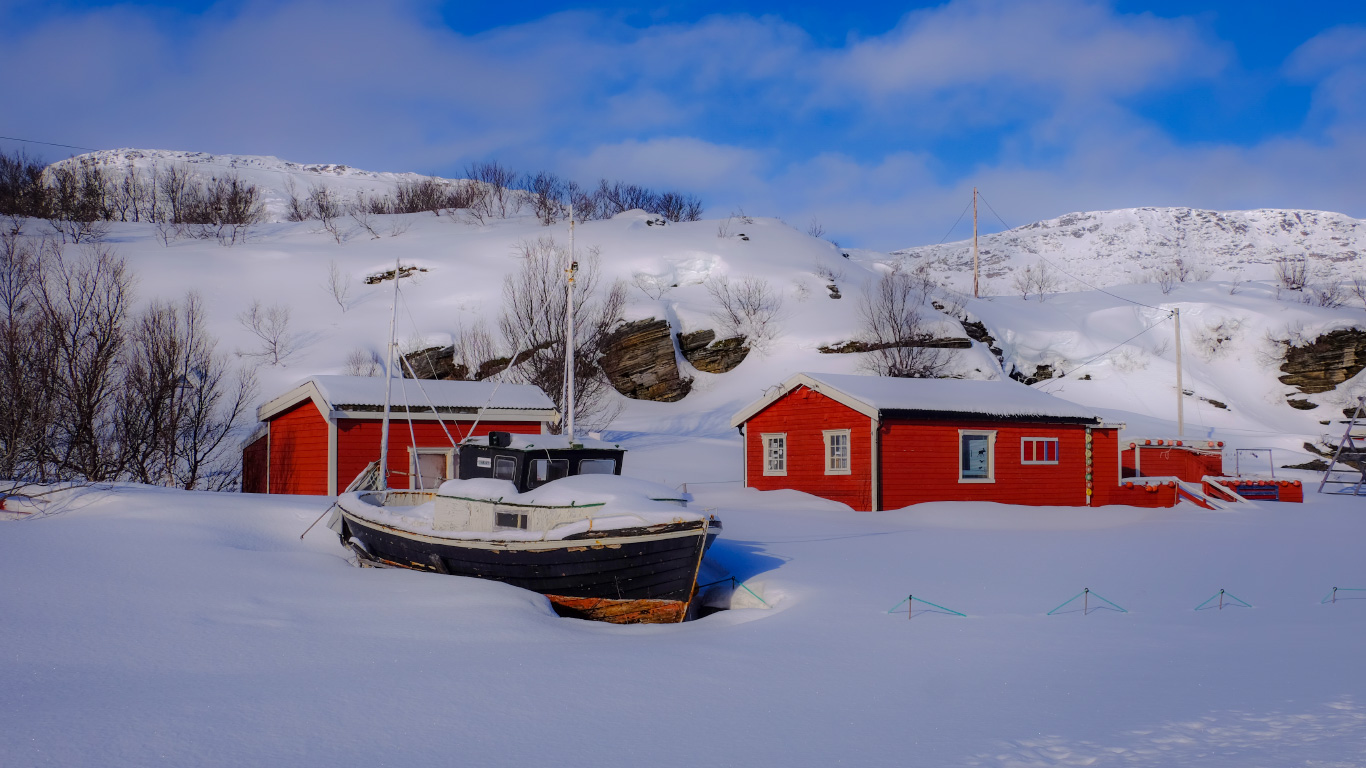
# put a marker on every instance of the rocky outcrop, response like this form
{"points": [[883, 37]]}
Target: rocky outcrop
{"points": [[436, 363], [640, 362], [848, 347], [1326, 362], [706, 353]]}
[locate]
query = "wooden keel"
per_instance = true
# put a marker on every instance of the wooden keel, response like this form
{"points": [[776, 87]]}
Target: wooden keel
{"points": [[620, 611]]}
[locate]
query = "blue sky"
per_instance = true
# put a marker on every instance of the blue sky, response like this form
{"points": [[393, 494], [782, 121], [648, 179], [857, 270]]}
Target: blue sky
{"points": [[876, 120]]}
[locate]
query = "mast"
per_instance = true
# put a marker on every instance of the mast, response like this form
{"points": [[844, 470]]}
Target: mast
{"points": [[569, 334], [1180, 391], [388, 387], [974, 242]]}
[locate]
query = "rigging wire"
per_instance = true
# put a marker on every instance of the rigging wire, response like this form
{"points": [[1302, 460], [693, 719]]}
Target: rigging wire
{"points": [[1069, 274], [955, 224], [48, 143]]}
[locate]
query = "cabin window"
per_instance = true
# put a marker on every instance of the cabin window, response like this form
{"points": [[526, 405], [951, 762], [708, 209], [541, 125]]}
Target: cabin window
{"points": [[1039, 450], [430, 467], [836, 451], [975, 449], [598, 467], [509, 520], [505, 468], [775, 454], [545, 470]]}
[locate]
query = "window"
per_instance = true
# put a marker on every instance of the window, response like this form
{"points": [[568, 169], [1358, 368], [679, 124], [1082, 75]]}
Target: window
{"points": [[509, 520], [975, 463], [598, 467], [505, 468], [430, 467], [545, 470], [1039, 450], [836, 451], [775, 454]]}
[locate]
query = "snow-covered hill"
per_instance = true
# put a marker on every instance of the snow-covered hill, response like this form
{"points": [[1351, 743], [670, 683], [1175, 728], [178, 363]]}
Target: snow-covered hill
{"points": [[1107, 248], [1117, 347]]}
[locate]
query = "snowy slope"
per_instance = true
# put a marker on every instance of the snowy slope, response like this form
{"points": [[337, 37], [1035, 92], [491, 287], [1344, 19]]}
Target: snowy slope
{"points": [[1107, 248]]}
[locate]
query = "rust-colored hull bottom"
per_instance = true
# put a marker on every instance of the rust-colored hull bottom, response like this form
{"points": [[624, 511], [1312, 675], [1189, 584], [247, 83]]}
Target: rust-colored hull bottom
{"points": [[620, 611]]}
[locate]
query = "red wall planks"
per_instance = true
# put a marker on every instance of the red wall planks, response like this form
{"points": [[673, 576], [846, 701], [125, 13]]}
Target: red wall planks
{"points": [[298, 451], [254, 466], [1173, 461], [803, 415]]}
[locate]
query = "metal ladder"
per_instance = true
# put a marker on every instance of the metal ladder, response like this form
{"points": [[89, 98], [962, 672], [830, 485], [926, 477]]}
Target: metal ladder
{"points": [[1349, 450]]}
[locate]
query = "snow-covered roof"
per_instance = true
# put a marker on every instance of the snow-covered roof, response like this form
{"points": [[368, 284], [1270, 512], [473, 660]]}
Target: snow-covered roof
{"points": [[366, 394], [875, 395]]}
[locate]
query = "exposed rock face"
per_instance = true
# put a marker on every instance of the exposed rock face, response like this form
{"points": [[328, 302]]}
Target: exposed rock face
{"points": [[847, 347], [640, 362], [705, 353], [1330, 360], [436, 363]]}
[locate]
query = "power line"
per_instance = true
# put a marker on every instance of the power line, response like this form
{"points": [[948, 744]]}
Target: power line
{"points": [[1108, 351], [955, 224], [48, 143], [1069, 274]]}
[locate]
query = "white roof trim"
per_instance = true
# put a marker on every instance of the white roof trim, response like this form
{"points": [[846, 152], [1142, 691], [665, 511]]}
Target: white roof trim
{"points": [[305, 391], [798, 380]]}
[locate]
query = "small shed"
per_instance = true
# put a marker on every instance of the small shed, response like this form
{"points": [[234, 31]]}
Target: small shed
{"points": [[316, 437], [885, 443]]}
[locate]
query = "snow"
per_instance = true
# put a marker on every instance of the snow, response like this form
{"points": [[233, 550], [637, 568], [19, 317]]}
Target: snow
{"points": [[1004, 398], [154, 626], [343, 391], [148, 626]]}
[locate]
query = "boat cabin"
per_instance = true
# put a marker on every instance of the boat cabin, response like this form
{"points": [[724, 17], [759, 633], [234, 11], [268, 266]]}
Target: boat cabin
{"points": [[530, 461]]}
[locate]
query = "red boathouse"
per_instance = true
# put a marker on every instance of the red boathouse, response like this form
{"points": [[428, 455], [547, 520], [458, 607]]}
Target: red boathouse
{"points": [[315, 438], [885, 443]]}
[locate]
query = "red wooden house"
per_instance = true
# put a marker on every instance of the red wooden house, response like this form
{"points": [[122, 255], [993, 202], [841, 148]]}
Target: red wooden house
{"points": [[315, 438], [885, 443]]}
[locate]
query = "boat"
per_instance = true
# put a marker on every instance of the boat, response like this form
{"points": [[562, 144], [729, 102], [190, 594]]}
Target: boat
{"points": [[549, 513]]}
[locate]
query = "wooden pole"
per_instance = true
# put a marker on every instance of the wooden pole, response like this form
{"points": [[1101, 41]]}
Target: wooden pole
{"points": [[1221, 599], [1085, 601], [974, 242], [388, 388], [910, 607], [569, 334]]}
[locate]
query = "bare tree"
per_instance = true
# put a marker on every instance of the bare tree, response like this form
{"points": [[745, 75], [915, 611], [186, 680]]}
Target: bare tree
{"points": [[363, 211], [27, 359], [533, 320], [894, 329], [497, 198], [750, 308], [1292, 273], [296, 209], [815, 228], [84, 302], [338, 285], [1039, 279], [271, 326], [1330, 293]]}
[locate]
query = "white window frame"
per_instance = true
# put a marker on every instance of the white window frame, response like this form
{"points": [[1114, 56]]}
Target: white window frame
{"points": [[990, 434], [413, 453], [764, 439], [830, 469], [1024, 441]]}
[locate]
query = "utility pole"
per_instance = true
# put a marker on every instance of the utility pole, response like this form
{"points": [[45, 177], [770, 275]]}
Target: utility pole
{"points": [[1180, 391], [974, 242]]}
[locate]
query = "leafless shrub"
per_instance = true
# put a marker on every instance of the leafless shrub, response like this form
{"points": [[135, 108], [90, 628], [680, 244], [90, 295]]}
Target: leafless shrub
{"points": [[1330, 293], [296, 209], [271, 326], [535, 305], [1358, 289], [1214, 339], [496, 197], [676, 207], [399, 227], [725, 227], [815, 228], [749, 308], [652, 286], [362, 211], [893, 326], [547, 196], [363, 362], [472, 351], [1038, 279], [323, 203], [828, 273], [338, 285], [1292, 273]]}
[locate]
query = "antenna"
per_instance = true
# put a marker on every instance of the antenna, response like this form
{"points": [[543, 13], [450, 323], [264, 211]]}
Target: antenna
{"points": [[388, 387], [1180, 390], [974, 242]]}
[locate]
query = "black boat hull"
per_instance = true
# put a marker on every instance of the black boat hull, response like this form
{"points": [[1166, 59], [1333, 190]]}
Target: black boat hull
{"points": [[642, 575]]}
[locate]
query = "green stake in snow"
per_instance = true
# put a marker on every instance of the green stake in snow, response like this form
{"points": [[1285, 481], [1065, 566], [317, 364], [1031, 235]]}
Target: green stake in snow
{"points": [[1085, 595], [910, 602], [1221, 595]]}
